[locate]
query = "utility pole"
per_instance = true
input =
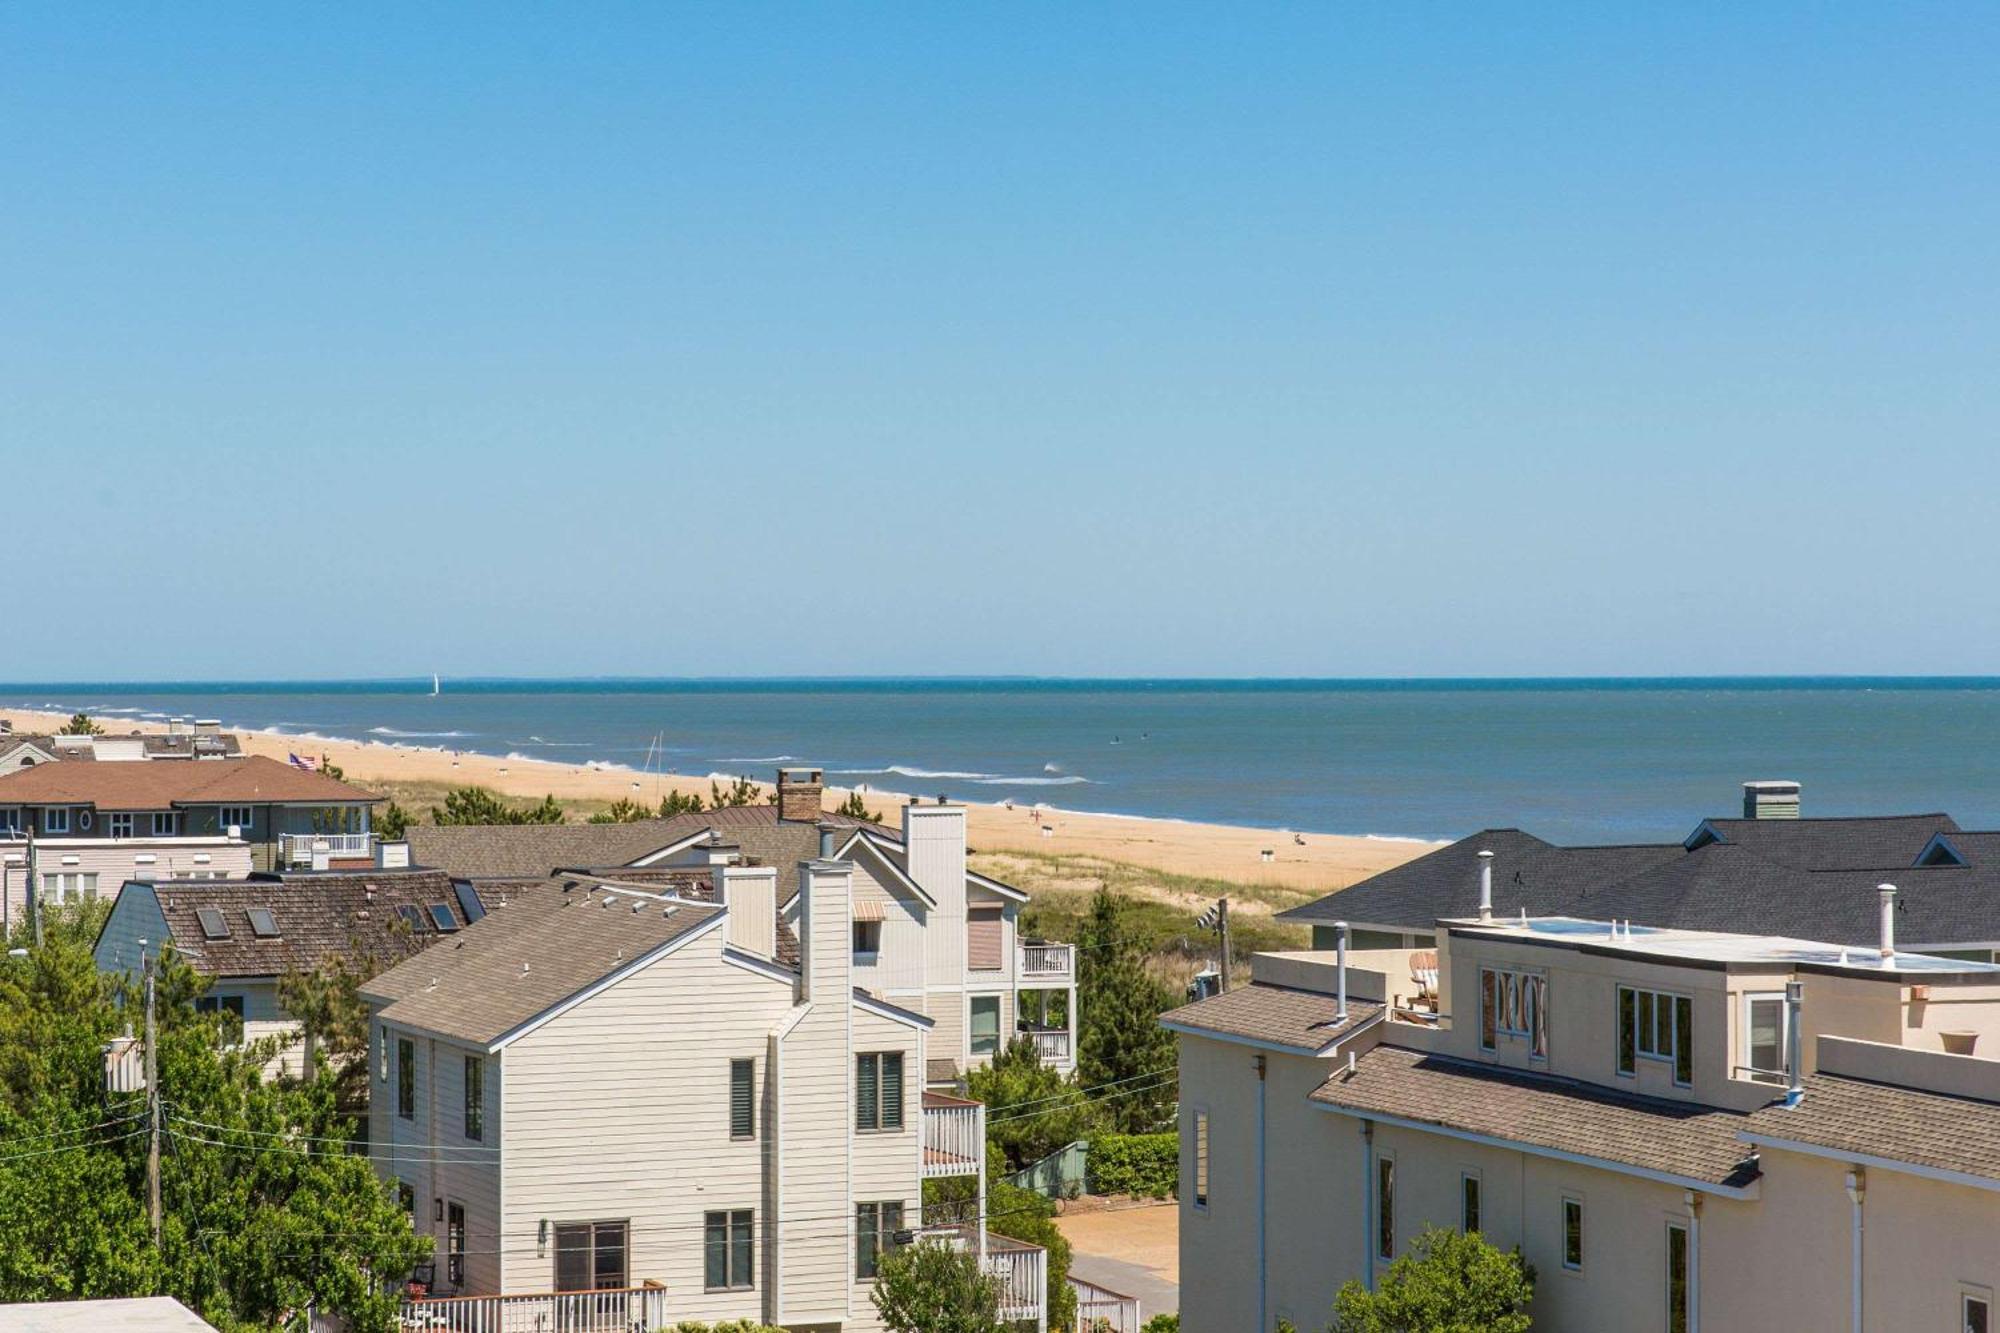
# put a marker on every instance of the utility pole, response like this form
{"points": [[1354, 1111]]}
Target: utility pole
{"points": [[152, 1102], [34, 890], [1222, 924]]}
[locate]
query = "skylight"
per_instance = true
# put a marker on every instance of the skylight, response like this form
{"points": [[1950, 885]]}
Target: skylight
{"points": [[411, 917], [262, 923], [442, 918], [212, 924]]}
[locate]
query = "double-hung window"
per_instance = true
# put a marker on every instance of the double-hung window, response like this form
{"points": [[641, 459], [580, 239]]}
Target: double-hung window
{"points": [[119, 825], [1514, 1005], [878, 1090], [1658, 1026], [475, 1098], [875, 1228], [406, 1078], [726, 1250], [984, 1027], [742, 1099]]}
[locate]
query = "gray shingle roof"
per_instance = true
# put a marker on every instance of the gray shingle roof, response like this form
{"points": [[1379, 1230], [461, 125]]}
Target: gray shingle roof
{"points": [[523, 959], [1683, 1140], [1301, 1019], [1881, 1120], [319, 918], [1808, 878]]}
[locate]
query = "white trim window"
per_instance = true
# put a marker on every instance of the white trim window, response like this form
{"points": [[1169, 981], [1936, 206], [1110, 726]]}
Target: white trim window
{"points": [[982, 1025], [1468, 1201], [237, 815], [1677, 1277], [1572, 1233], [164, 823], [55, 819], [1764, 1036], [1975, 1310], [119, 825], [1657, 1026], [66, 885], [1514, 1005], [1385, 1206]]}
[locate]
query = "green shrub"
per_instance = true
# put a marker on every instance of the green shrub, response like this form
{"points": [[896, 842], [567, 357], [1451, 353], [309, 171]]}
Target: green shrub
{"points": [[733, 1326], [1145, 1165], [1163, 1323]]}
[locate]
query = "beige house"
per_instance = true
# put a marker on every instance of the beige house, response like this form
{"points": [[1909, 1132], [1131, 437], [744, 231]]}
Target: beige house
{"points": [[1677, 1128], [622, 1104], [930, 935]]}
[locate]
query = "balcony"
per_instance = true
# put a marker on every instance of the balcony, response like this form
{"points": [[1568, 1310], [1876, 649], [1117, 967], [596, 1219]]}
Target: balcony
{"points": [[954, 1136], [302, 849], [1023, 1269], [1051, 1044], [614, 1311], [1040, 963]]}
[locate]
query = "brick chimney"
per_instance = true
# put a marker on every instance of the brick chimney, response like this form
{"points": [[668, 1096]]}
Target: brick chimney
{"points": [[799, 794]]}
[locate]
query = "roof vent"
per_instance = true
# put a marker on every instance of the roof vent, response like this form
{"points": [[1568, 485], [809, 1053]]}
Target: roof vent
{"points": [[1771, 800]]}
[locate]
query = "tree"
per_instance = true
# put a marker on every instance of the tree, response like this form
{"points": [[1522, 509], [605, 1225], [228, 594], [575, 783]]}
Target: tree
{"points": [[741, 791], [1122, 1046], [79, 724], [1031, 1110], [855, 808], [933, 1288], [1449, 1282], [392, 822], [679, 803], [621, 811], [1010, 1211], [477, 805], [264, 1211]]}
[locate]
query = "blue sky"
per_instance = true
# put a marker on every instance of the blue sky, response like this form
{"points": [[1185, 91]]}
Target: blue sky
{"points": [[1238, 340]]}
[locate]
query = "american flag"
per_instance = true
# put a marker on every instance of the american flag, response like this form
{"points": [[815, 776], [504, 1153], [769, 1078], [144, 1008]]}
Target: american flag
{"points": [[305, 761]]}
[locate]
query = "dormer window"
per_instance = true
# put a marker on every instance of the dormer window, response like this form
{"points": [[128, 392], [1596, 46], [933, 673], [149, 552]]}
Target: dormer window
{"points": [[1656, 1026], [1939, 852], [55, 819], [1514, 1005]]}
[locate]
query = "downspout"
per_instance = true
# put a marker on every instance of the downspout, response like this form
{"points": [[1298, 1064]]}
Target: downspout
{"points": [[1857, 1193], [1340, 965], [1262, 1283]]}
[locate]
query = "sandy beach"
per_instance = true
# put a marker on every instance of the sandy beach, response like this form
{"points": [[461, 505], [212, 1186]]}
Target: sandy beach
{"points": [[1317, 862]]}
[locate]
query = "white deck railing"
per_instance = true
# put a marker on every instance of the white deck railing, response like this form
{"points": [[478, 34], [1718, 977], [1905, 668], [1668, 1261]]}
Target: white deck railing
{"points": [[619, 1310], [1052, 1046], [1102, 1310], [954, 1137], [1046, 962], [1024, 1282], [299, 848]]}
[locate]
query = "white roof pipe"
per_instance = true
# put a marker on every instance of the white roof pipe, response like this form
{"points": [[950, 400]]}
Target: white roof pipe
{"points": [[1340, 966], [1485, 886], [1795, 1087], [1887, 894]]}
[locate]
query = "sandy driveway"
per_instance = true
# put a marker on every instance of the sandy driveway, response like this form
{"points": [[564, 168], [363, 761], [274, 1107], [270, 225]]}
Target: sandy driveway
{"points": [[1132, 1249]]}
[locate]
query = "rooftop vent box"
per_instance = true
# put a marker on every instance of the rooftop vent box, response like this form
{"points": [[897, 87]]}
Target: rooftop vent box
{"points": [[1771, 800]]}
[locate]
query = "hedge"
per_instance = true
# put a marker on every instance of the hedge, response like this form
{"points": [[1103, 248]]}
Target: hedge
{"points": [[1143, 1165]]}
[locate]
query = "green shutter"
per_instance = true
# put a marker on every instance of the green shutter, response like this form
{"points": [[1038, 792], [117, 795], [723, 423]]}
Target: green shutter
{"points": [[742, 1099], [892, 1090], [867, 1093]]}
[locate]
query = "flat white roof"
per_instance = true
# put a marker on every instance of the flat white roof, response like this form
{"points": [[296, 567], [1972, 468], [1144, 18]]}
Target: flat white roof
{"points": [[1707, 946], [139, 1314]]}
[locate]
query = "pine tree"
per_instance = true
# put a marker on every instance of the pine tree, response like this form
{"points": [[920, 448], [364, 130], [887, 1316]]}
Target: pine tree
{"points": [[1121, 1038]]}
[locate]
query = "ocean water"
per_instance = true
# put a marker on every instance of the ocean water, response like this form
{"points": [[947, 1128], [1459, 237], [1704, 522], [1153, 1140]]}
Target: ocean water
{"points": [[1571, 760]]}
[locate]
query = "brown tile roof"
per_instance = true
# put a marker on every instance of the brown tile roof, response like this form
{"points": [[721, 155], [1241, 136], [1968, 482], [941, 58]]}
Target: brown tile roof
{"points": [[1300, 1019], [1889, 1123], [940, 1069], [1683, 1140], [319, 917], [520, 960], [534, 851], [160, 785]]}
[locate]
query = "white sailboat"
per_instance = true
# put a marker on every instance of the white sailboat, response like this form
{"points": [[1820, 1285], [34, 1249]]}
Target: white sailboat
{"points": [[434, 684]]}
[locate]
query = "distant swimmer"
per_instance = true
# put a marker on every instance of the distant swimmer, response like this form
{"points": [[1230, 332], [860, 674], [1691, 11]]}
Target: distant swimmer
{"points": [[1114, 740]]}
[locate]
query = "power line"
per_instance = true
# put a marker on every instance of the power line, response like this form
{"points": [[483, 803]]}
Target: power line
{"points": [[63, 1133], [73, 1147]]}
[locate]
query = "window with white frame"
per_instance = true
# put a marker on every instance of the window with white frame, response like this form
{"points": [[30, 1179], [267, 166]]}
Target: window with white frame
{"points": [[1764, 1036], [1975, 1311], [1514, 1005], [1677, 1277], [1385, 1207], [237, 815], [55, 819], [118, 825], [1572, 1222], [984, 1028], [1468, 1202], [164, 823], [69, 885], [1656, 1026]]}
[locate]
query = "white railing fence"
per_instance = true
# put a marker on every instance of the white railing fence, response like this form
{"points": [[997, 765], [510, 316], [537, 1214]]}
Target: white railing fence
{"points": [[619, 1310], [1052, 1047], [1047, 960], [298, 848], [1102, 1310], [1023, 1278], [954, 1138]]}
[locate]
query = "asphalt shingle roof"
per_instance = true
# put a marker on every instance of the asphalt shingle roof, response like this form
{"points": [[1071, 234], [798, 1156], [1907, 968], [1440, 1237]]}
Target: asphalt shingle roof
{"points": [[161, 784], [520, 960], [1808, 878], [1685, 1140], [1302, 1019], [1898, 1124], [319, 917]]}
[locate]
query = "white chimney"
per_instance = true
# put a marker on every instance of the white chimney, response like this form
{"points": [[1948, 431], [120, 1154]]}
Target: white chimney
{"points": [[1486, 886], [750, 893], [826, 931], [1340, 966], [1887, 895]]}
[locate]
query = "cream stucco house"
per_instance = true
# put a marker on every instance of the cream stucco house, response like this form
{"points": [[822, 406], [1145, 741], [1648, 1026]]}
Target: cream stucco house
{"points": [[1678, 1128], [620, 1103]]}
